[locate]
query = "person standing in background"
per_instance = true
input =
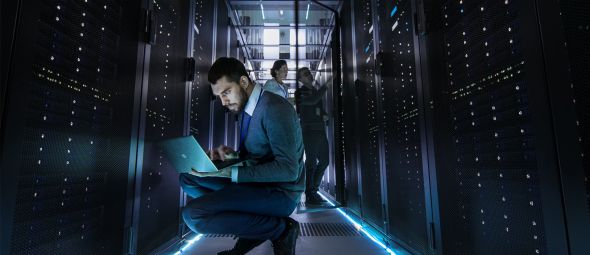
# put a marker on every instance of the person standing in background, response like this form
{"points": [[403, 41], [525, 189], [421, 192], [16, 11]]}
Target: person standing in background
{"points": [[277, 84], [312, 118]]}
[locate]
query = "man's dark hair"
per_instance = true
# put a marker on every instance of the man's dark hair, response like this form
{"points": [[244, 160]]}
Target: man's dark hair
{"points": [[276, 66], [231, 68], [300, 71]]}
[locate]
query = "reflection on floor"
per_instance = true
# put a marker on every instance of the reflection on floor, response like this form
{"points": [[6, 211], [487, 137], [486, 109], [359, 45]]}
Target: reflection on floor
{"points": [[323, 232]]}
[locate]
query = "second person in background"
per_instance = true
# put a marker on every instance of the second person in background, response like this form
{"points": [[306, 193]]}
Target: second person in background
{"points": [[277, 84]]}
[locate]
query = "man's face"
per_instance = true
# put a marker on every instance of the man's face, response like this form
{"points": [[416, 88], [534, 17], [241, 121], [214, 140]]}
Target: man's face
{"points": [[306, 77], [232, 95]]}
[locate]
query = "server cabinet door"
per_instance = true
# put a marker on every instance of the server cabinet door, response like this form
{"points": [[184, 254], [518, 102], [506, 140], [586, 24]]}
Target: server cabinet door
{"points": [[349, 111], [67, 143], [158, 209], [399, 76], [201, 94], [498, 182], [565, 30], [576, 21], [368, 122]]}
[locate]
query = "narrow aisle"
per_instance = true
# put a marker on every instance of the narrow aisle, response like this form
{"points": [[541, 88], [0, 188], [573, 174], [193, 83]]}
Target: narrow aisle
{"points": [[322, 232]]}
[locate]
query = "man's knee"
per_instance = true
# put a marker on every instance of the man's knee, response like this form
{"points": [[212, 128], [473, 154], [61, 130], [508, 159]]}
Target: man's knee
{"points": [[193, 217]]}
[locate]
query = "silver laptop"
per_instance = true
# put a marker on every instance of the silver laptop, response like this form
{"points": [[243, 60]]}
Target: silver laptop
{"points": [[186, 154]]}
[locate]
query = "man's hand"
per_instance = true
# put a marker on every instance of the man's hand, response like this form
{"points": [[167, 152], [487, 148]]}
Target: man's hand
{"points": [[222, 153], [223, 173]]}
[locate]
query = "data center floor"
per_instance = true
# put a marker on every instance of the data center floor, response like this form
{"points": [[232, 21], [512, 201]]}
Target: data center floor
{"points": [[323, 232]]}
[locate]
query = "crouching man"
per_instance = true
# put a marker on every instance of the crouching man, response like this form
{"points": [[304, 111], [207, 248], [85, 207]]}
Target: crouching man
{"points": [[251, 202]]}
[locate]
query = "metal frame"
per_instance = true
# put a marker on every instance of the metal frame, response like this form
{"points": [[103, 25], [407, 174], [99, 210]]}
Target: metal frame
{"points": [[213, 56], [421, 82], [356, 114], [139, 112], [424, 45]]}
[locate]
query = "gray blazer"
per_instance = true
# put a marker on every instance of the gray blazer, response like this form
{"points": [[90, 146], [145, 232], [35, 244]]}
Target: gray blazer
{"points": [[274, 140]]}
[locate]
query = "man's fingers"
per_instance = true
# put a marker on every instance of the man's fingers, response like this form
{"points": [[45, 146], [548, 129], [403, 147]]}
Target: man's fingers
{"points": [[221, 153], [199, 174], [214, 155]]}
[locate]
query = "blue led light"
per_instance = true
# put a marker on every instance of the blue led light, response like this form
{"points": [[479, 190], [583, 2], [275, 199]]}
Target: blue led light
{"points": [[367, 49], [188, 244], [393, 11], [359, 227]]}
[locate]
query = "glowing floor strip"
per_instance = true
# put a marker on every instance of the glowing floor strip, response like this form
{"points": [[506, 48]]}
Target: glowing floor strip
{"points": [[359, 227], [188, 244]]}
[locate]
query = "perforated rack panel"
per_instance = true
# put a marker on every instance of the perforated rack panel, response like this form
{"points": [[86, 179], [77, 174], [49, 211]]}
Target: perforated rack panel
{"points": [[368, 123], [403, 150], [201, 94], [160, 190], [493, 191], [73, 76]]}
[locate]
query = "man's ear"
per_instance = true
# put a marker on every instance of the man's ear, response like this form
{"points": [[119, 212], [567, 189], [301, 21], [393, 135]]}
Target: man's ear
{"points": [[244, 82]]}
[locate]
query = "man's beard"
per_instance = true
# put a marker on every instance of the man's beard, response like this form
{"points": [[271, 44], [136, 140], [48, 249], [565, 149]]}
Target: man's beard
{"points": [[239, 106]]}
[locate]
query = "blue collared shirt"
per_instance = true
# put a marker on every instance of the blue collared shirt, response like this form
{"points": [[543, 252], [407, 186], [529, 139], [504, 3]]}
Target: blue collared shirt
{"points": [[249, 109]]}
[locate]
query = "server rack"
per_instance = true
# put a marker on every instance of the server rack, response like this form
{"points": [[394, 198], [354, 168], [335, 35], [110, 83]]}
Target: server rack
{"points": [[404, 170], [368, 106], [500, 173], [497, 157], [68, 138], [157, 209]]}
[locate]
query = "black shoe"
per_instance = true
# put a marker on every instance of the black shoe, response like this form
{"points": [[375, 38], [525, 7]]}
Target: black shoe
{"points": [[242, 247], [314, 199], [285, 245]]}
